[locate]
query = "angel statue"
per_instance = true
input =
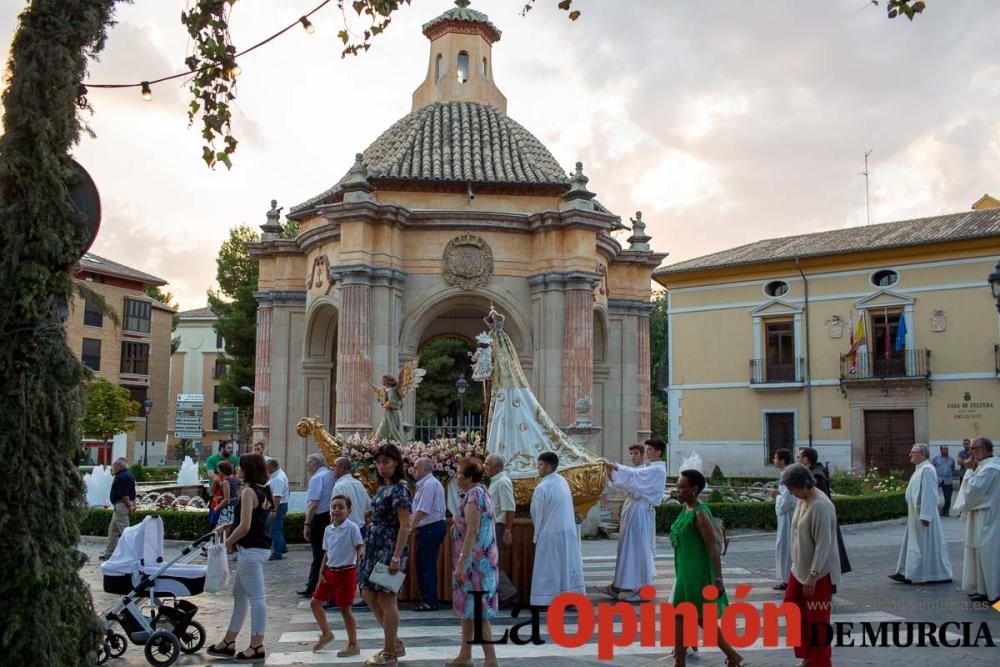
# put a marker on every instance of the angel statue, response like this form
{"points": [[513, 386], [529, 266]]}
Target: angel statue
{"points": [[391, 395]]}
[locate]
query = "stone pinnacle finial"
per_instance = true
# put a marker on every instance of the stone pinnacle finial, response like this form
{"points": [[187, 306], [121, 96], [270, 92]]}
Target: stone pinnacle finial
{"points": [[272, 228], [639, 239], [462, 3], [578, 196], [355, 185]]}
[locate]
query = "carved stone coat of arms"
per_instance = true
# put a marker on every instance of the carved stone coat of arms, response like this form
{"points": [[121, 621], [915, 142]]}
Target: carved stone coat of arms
{"points": [[467, 262]]}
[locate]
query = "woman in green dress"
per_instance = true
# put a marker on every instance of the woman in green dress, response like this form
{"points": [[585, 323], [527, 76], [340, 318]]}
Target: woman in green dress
{"points": [[391, 426], [696, 562]]}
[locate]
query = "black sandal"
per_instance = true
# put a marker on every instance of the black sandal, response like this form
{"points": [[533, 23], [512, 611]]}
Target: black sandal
{"points": [[227, 652], [258, 654]]}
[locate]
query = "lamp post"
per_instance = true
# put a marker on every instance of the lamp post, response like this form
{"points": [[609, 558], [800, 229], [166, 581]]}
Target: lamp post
{"points": [[994, 281], [462, 385], [148, 405]]}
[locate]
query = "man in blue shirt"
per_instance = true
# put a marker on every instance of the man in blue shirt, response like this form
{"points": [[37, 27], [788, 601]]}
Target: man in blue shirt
{"points": [[964, 454], [945, 467], [318, 497], [123, 500]]}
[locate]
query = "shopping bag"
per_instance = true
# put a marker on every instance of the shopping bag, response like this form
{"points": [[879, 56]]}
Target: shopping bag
{"points": [[217, 570], [940, 500], [380, 575]]}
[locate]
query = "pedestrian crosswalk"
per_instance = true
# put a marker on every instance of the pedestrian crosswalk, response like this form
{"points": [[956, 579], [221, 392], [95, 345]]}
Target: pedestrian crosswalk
{"points": [[434, 637]]}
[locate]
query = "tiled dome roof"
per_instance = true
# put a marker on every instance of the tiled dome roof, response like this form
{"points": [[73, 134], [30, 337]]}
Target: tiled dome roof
{"points": [[463, 14], [457, 142]]}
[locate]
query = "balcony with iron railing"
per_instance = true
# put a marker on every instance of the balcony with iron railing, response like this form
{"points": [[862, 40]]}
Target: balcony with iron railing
{"points": [[771, 374], [903, 365]]}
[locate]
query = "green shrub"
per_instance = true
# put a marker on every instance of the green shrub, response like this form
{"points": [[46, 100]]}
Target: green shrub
{"points": [[760, 515], [717, 477], [178, 525], [138, 472], [846, 483]]}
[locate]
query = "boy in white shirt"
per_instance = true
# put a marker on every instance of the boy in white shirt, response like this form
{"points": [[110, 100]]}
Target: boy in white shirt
{"points": [[342, 546]]}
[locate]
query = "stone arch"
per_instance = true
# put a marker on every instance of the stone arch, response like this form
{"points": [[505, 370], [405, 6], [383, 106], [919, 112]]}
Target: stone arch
{"points": [[319, 361], [419, 318], [600, 352]]}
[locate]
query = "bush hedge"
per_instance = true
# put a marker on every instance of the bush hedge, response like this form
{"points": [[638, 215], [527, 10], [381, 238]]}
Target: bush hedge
{"points": [[760, 516], [177, 525]]}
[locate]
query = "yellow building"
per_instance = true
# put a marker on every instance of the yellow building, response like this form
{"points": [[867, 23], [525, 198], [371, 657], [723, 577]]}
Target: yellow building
{"points": [[760, 341], [134, 354]]}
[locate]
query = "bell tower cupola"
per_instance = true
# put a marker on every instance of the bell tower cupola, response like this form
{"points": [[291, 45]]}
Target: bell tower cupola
{"points": [[460, 68]]}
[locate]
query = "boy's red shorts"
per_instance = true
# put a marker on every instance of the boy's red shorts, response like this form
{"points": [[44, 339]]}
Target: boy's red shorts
{"points": [[337, 586]]}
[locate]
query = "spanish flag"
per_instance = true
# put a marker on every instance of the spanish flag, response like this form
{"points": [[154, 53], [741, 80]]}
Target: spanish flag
{"points": [[857, 339]]}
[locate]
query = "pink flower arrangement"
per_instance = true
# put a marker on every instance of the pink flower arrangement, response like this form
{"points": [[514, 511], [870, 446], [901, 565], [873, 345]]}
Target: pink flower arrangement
{"points": [[442, 452]]}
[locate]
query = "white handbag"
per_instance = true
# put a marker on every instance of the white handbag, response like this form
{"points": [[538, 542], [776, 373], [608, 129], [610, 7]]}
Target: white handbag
{"points": [[217, 569], [381, 576]]}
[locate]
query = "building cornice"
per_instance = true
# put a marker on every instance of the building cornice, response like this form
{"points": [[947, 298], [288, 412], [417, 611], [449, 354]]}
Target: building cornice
{"points": [[569, 280], [362, 274], [629, 307], [280, 298]]}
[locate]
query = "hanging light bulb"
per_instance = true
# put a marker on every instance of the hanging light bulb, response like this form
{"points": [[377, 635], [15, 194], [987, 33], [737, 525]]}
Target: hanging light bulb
{"points": [[147, 93], [307, 25], [230, 69]]}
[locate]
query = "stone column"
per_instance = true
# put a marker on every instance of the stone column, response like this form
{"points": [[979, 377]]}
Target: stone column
{"points": [[353, 352], [578, 350], [262, 371]]}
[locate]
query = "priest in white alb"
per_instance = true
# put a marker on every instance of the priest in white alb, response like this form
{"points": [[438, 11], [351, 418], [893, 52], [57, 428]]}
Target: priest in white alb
{"points": [[979, 497], [635, 567], [558, 559], [923, 557]]}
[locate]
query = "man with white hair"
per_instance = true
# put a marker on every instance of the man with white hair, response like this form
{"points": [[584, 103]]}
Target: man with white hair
{"points": [[502, 495], [923, 558], [352, 487], [428, 521], [318, 496], [981, 503], [123, 500]]}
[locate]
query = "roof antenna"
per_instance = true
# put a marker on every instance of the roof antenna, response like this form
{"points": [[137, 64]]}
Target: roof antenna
{"points": [[868, 199]]}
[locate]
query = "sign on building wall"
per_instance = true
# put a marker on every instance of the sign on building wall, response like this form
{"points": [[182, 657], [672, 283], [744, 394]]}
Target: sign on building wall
{"points": [[970, 408], [188, 417]]}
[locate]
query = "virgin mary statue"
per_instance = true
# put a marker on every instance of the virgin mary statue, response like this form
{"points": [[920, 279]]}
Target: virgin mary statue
{"points": [[520, 429]]}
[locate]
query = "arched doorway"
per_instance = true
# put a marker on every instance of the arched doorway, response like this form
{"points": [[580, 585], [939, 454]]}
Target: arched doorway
{"points": [[319, 363], [442, 407]]}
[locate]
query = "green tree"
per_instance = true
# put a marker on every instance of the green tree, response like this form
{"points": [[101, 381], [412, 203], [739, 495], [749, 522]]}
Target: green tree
{"points": [[108, 410], [167, 299], [236, 309], [658, 372], [444, 359]]}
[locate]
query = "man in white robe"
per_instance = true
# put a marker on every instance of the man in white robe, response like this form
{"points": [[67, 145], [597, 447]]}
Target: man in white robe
{"points": [[558, 558], [923, 557], [784, 510], [635, 566], [980, 497]]}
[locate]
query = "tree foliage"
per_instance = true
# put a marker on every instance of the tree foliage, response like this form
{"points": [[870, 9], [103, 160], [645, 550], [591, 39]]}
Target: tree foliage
{"points": [[236, 309], [658, 372], [108, 410], [444, 359], [47, 616]]}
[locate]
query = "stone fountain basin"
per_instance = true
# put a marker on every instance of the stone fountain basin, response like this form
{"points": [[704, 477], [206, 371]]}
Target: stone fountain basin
{"points": [[199, 490]]}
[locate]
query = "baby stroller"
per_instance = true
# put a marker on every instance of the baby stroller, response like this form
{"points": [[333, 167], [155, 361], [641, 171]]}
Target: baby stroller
{"points": [[136, 570]]}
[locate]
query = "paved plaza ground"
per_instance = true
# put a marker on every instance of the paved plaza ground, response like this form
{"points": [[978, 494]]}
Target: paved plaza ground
{"points": [[432, 638]]}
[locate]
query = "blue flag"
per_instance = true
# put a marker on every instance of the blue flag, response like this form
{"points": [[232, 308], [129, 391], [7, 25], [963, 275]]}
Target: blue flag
{"points": [[901, 334]]}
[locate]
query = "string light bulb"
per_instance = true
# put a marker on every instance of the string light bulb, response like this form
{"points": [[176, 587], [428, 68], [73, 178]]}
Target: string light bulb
{"points": [[147, 93], [307, 25], [230, 68]]}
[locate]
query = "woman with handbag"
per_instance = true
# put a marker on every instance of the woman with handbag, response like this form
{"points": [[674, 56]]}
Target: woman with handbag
{"points": [[250, 538], [476, 559], [386, 551]]}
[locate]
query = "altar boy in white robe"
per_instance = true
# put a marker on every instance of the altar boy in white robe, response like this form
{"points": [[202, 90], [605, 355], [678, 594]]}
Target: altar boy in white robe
{"points": [[784, 510], [923, 558], [558, 559], [980, 499], [635, 567]]}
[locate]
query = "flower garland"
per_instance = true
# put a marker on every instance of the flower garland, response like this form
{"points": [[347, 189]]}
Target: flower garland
{"points": [[442, 452]]}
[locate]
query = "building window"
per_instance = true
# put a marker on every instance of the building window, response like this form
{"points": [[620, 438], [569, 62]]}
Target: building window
{"points": [[463, 66], [137, 394], [885, 278], [484, 68], [135, 358], [886, 359], [776, 288], [779, 351], [438, 65], [220, 369], [215, 420], [90, 355], [215, 394], [220, 342], [137, 314], [92, 315]]}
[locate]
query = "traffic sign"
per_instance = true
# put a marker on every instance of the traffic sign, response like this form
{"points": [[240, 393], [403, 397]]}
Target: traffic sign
{"points": [[188, 417], [228, 419]]}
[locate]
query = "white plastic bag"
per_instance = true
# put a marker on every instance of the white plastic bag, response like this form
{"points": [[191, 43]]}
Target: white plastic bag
{"points": [[940, 498], [217, 571]]}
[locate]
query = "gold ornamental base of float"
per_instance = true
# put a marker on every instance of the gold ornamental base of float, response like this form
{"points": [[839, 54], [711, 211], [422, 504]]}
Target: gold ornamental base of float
{"points": [[586, 482]]}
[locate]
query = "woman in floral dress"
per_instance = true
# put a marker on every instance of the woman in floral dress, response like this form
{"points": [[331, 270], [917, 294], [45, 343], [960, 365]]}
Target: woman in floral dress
{"points": [[386, 542], [475, 555]]}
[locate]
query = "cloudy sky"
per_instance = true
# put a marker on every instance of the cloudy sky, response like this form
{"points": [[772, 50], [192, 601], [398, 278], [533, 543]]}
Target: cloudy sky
{"points": [[724, 122]]}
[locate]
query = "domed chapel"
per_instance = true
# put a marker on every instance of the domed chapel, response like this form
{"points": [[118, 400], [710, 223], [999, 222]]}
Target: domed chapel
{"points": [[455, 207]]}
